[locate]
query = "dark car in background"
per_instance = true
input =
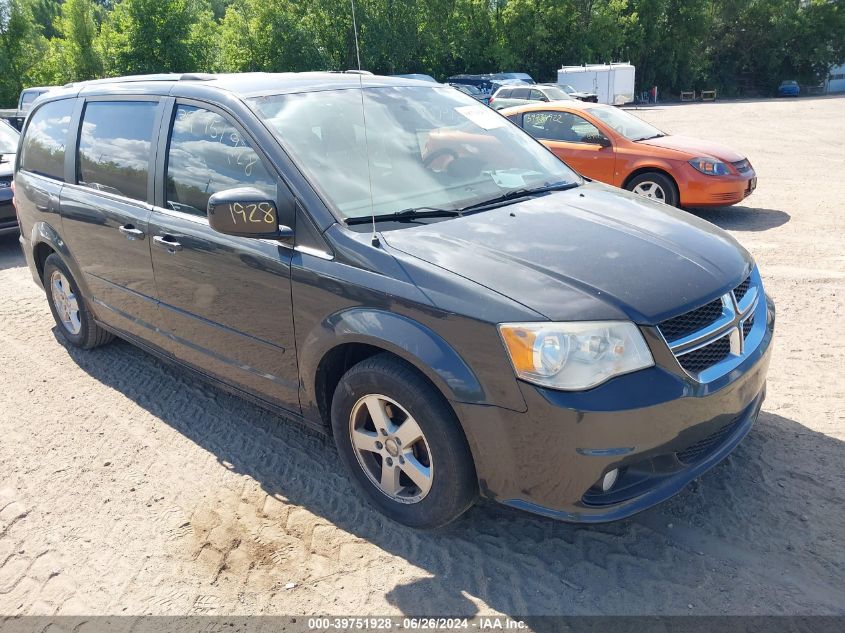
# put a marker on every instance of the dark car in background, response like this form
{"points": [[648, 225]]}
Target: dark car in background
{"points": [[789, 88], [589, 97], [397, 266], [8, 148], [472, 91], [523, 77], [418, 76]]}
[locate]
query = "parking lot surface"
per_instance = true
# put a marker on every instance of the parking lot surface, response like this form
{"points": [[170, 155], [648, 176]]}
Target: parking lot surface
{"points": [[130, 487]]}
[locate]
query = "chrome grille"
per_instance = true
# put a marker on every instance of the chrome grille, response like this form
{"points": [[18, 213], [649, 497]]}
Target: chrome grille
{"points": [[707, 356], [747, 325], [680, 326], [741, 289], [708, 339]]}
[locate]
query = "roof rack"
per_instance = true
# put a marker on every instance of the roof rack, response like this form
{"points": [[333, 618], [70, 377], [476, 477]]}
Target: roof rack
{"points": [[351, 72]]}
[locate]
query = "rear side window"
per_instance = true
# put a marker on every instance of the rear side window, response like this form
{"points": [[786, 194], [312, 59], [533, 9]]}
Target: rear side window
{"points": [[114, 147], [521, 93], [206, 155], [43, 149]]}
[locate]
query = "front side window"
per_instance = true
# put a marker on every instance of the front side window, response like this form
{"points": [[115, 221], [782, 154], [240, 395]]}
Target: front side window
{"points": [[207, 154], [536, 95], [114, 147], [46, 136], [560, 126], [387, 149]]}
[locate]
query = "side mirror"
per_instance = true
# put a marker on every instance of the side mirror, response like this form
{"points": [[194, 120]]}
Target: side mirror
{"points": [[597, 139], [245, 212]]}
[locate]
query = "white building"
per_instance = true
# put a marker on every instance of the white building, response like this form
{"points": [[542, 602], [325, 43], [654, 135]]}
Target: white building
{"points": [[835, 79]]}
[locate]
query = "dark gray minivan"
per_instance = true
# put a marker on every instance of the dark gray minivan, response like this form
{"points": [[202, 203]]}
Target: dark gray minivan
{"points": [[401, 267]]}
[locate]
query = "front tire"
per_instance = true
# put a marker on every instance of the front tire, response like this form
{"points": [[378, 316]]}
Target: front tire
{"points": [[655, 186], [402, 444], [69, 309]]}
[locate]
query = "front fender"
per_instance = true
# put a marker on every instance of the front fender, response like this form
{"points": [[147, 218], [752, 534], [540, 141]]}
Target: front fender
{"points": [[408, 339]]}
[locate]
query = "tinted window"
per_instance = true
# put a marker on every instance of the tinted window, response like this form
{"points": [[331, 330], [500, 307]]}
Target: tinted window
{"points": [[560, 126], [206, 155], [521, 93], [46, 135], [114, 147]]}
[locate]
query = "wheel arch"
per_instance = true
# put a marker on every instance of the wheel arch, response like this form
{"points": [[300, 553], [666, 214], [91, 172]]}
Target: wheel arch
{"points": [[651, 168], [348, 337], [44, 240]]}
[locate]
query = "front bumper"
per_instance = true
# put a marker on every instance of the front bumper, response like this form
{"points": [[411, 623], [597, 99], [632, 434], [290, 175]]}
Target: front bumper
{"points": [[659, 428], [698, 190]]}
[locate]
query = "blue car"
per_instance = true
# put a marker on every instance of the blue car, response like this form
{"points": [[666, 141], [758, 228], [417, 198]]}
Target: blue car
{"points": [[789, 88]]}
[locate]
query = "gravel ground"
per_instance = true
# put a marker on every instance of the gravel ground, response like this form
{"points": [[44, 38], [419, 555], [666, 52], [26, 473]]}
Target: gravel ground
{"points": [[129, 487]]}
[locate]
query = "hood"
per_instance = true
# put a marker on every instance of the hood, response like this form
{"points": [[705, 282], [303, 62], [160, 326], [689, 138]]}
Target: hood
{"points": [[695, 148], [590, 253]]}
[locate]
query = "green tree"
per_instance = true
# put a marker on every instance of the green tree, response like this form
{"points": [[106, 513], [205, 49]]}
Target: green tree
{"points": [[22, 46], [157, 36], [272, 36], [72, 55]]}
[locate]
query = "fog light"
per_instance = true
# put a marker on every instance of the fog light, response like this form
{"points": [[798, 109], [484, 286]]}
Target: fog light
{"points": [[609, 479]]}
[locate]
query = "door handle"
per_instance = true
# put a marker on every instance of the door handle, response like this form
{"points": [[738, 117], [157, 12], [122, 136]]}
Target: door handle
{"points": [[131, 232], [167, 242]]}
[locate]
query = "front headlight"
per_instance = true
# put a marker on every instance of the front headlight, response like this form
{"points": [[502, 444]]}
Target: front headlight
{"points": [[710, 166], [577, 355]]}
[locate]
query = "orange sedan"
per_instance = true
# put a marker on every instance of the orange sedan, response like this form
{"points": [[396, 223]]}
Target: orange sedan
{"points": [[611, 145]]}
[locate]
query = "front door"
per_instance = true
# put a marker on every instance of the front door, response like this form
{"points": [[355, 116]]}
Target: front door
{"points": [[225, 302], [574, 140], [105, 211]]}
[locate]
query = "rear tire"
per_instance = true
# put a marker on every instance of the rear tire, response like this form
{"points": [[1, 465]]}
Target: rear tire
{"points": [[402, 444], [73, 318], [655, 186]]}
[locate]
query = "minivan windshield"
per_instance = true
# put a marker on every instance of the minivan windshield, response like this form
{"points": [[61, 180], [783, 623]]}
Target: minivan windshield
{"points": [[384, 150], [8, 139], [627, 125]]}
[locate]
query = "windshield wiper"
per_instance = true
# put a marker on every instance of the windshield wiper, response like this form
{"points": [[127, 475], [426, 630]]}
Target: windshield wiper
{"points": [[405, 215], [648, 138], [516, 194]]}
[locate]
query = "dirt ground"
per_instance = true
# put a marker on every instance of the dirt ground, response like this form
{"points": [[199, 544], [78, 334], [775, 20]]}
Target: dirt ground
{"points": [[129, 487]]}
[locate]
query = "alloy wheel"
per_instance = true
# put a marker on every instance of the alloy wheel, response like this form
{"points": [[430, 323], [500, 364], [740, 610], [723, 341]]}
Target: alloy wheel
{"points": [[66, 302], [391, 448], [649, 189]]}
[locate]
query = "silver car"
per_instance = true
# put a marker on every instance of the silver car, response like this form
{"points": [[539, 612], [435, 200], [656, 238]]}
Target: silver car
{"points": [[509, 96]]}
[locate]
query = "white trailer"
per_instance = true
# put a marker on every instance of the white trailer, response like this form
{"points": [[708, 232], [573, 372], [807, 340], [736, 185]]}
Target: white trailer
{"points": [[613, 83]]}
